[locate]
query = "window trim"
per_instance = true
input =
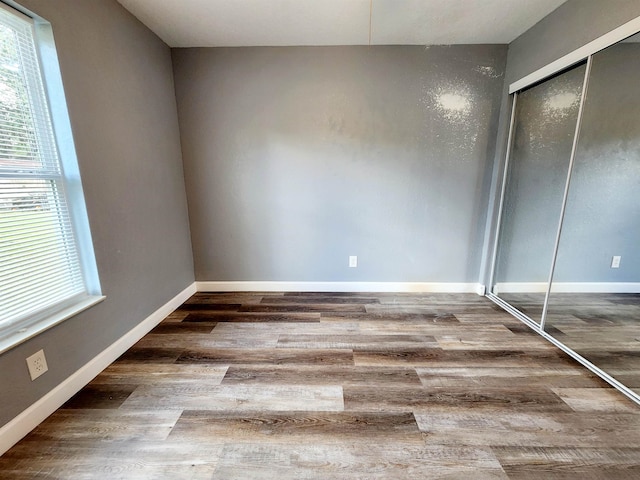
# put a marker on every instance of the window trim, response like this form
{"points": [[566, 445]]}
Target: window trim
{"points": [[63, 137]]}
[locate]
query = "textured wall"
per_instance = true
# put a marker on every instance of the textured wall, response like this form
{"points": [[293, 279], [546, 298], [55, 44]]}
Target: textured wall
{"points": [[572, 25], [119, 87], [296, 158]]}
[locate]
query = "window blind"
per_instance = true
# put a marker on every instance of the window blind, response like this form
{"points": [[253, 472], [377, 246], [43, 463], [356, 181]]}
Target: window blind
{"points": [[39, 263]]}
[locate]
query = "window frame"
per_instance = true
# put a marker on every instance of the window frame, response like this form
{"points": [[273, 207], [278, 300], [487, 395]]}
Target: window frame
{"points": [[55, 103]]}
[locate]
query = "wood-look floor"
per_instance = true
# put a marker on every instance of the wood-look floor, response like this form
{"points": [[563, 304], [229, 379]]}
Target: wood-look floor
{"points": [[337, 386]]}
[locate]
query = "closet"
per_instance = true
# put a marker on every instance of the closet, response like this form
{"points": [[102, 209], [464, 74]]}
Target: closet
{"points": [[566, 256]]}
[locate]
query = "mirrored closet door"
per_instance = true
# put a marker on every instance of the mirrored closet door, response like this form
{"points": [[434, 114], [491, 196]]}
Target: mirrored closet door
{"points": [[567, 256], [542, 136], [594, 305]]}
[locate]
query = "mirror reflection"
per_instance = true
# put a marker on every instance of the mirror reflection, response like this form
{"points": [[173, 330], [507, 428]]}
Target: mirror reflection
{"points": [[594, 306], [542, 138]]}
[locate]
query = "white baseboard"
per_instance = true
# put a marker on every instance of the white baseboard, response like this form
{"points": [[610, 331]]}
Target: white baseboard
{"points": [[596, 287], [519, 287], [567, 287], [400, 287], [30, 418]]}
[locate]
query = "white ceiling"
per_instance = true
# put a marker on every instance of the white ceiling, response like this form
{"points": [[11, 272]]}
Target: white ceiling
{"points": [[214, 23]]}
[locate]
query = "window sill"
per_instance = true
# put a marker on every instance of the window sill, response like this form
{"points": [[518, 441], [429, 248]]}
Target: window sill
{"points": [[23, 334]]}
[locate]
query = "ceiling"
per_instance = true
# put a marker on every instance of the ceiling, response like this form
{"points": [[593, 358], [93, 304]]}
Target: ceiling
{"points": [[216, 23]]}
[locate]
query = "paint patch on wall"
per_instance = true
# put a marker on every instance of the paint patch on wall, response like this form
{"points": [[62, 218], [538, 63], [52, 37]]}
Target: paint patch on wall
{"points": [[453, 102], [488, 71], [454, 105]]}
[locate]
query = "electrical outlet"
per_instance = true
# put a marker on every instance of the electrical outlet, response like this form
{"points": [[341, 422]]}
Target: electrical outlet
{"points": [[37, 364], [353, 261], [615, 261]]}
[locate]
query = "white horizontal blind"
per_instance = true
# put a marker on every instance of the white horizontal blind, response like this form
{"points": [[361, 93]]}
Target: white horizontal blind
{"points": [[39, 263]]}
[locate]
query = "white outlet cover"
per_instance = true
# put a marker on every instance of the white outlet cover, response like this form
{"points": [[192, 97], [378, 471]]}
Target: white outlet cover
{"points": [[615, 261], [37, 364], [353, 261]]}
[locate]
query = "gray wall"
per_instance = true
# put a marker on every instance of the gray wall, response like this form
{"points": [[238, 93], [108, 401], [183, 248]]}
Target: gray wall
{"points": [[119, 87], [572, 25], [569, 27], [296, 158]]}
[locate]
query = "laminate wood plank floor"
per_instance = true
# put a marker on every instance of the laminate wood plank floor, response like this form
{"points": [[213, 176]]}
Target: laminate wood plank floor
{"points": [[337, 386]]}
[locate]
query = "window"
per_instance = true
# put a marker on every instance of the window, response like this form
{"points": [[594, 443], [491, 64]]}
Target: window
{"points": [[47, 267]]}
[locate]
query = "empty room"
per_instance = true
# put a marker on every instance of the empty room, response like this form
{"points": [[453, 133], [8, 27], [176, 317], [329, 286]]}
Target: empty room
{"points": [[319, 239]]}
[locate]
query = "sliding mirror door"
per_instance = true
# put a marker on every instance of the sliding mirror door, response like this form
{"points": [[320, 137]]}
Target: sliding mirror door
{"points": [[594, 305], [542, 136]]}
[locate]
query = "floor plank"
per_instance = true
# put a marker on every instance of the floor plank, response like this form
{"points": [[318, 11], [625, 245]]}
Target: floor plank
{"points": [[236, 397], [317, 299], [249, 317], [418, 399], [321, 375], [269, 356], [373, 461], [356, 342], [572, 376], [120, 460], [159, 374], [570, 463], [428, 357], [294, 427], [543, 429], [105, 425]]}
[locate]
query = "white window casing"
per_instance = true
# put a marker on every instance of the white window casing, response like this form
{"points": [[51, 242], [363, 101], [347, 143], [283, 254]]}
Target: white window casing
{"points": [[47, 264]]}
